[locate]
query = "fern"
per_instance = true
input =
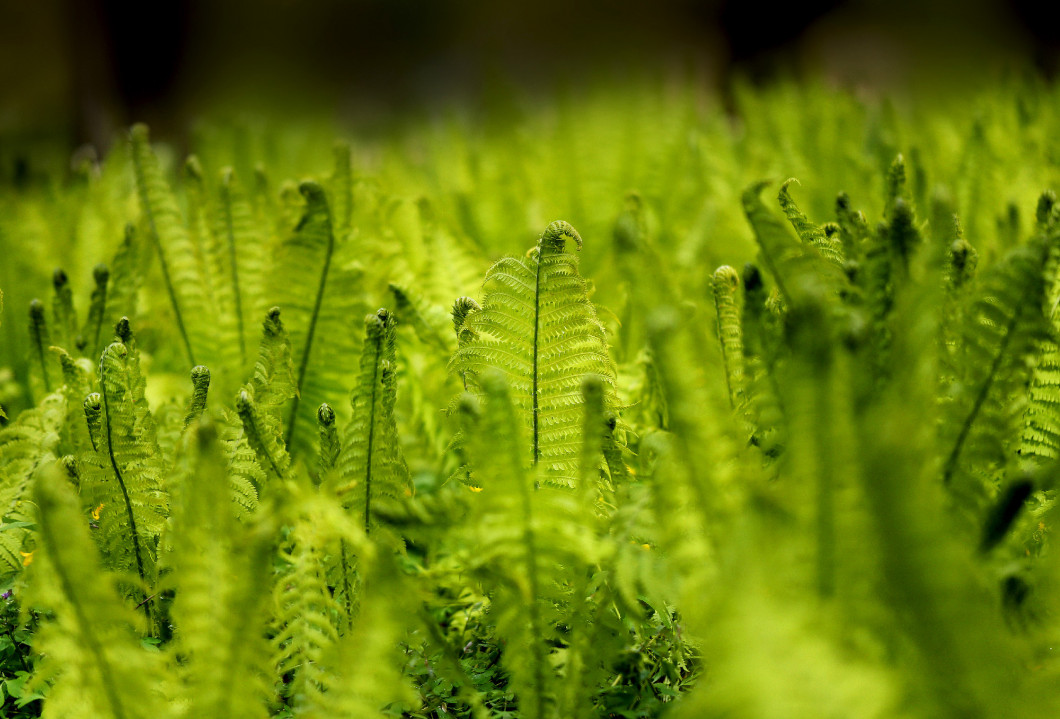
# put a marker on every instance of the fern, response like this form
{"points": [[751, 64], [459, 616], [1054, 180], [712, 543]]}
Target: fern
{"points": [[538, 326], [725, 282], [92, 654], [317, 295], [221, 573], [180, 260], [1000, 332], [371, 466], [125, 474]]}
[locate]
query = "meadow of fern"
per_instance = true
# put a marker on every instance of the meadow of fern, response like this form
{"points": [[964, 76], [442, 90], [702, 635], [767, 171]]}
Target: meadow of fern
{"points": [[581, 410]]}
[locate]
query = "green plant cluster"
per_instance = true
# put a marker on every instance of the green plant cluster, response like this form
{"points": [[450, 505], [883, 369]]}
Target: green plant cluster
{"points": [[395, 441]]}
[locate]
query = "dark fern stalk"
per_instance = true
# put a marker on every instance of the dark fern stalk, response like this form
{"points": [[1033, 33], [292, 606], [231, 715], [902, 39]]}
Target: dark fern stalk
{"points": [[96, 310], [38, 332], [63, 314]]}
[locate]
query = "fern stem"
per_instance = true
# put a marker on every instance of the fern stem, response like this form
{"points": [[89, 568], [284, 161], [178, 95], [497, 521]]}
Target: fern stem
{"points": [[371, 433], [128, 502], [141, 181], [230, 236], [38, 329], [106, 673], [310, 190], [536, 633], [534, 368]]}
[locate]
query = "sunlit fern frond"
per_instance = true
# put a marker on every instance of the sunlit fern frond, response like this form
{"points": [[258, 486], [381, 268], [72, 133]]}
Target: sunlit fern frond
{"points": [[371, 466], [537, 325], [124, 476], [318, 292]]}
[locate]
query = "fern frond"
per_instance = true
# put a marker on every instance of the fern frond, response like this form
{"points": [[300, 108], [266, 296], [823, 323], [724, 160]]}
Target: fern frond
{"points": [[127, 473], [181, 263], [221, 571], [797, 268], [96, 311], [244, 268], [428, 321], [40, 339], [92, 655], [371, 465], [127, 270], [64, 317], [1000, 332], [262, 438], [318, 320], [25, 444], [826, 242], [308, 616], [538, 326], [200, 388], [730, 335]]}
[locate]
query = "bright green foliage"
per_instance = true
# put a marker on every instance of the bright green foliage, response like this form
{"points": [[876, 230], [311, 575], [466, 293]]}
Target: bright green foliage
{"points": [[537, 325], [180, 258], [125, 474], [94, 658], [817, 486], [221, 571], [319, 298], [724, 283]]}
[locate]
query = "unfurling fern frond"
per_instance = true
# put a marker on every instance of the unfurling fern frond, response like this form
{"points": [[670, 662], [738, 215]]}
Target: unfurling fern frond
{"points": [[40, 339], [371, 465], [724, 283], [64, 317], [823, 237], [538, 326], [125, 474], [96, 311]]}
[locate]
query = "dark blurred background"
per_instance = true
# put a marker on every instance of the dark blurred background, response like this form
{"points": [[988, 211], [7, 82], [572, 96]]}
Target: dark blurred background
{"points": [[81, 69]]}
